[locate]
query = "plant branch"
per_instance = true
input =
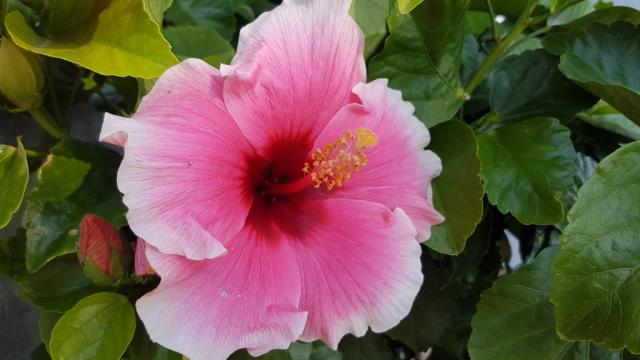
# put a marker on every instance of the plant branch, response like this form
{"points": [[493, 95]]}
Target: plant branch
{"points": [[496, 54]]}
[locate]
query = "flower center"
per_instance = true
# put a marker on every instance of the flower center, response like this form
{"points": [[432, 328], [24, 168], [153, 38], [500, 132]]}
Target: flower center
{"points": [[332, 165]]}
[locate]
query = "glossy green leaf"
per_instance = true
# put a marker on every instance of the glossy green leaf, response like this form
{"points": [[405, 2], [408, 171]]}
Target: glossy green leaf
{"points": [[371, 346], [156, 9], [604, 116], [596, 275], [527, 169], [52, 216], [371, 16], [58, 285], [14, 175], [530, 85], [405, 6], [217, 14], [200, 42], [122, 41], [514, 320], [421, 57], [98, 327], [457, 192], [604, 60]]}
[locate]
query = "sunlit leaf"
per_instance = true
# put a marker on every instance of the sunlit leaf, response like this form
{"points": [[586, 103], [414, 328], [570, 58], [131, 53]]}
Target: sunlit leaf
{"points": [[122, 40]]}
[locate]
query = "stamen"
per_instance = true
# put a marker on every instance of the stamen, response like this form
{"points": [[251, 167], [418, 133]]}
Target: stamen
{"points": [[337, 161]]}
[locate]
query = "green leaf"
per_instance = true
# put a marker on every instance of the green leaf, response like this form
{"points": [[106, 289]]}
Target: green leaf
{"points": [[51, 218], [440, 317], [405, 6], [530, 85], [48, 319], [514, 320], [122, 40], [371, 16], [63, 18], [98, 327], [557, 5], [201, 42], [58, 178], [371, 346], [457, 192], [571, 13], [296, 351], [527, 169], [596, 276], [421, 57], [604, 60], [604, 116], [217, 14], [14, 175], [156, 9], [509, 8], [12, 255], [556, 42], [58, 285], [476, 22]]}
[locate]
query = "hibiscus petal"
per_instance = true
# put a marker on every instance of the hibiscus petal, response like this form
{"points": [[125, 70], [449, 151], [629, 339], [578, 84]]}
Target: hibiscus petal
{"points": [[294, 69], [360, 267], [399, 170], [184, 173], [245, 299]]}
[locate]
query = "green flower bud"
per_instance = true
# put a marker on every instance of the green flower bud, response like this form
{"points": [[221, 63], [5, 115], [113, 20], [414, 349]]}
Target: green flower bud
{"points": [[21, 78]]}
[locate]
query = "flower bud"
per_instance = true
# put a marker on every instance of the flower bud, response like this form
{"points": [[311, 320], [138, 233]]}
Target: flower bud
{"points": [[102, 253], [142, 266], [21, 78]]}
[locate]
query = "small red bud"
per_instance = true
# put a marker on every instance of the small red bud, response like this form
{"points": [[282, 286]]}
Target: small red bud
{"points": [[101, 250]]}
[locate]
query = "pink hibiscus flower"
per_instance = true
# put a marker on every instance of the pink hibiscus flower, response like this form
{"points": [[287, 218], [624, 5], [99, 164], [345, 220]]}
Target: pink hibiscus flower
{"points": [[281, 198]]}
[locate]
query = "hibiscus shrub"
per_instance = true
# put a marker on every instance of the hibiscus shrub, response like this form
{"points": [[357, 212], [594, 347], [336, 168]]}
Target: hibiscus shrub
{"points": [[277, 207]]}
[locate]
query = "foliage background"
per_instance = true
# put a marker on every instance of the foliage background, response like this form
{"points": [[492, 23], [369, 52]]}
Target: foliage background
{"points": [[533, 106]]}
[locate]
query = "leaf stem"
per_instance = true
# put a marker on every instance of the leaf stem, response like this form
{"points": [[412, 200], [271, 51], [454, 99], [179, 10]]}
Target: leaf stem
{"points": [[74, 91], [521, 24], [494, 29], [529, 36], [46, 122], [34, 153], [111, 103]]}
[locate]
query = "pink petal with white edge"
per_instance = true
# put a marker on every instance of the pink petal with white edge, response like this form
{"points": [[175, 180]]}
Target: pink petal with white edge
{"points": [[399, 170], [184, 173], [294, 69], [208, 309], [360, 267]]}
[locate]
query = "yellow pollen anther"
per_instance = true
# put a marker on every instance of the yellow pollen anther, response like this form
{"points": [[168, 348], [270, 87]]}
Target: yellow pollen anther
{"points": [[337, 161]]}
